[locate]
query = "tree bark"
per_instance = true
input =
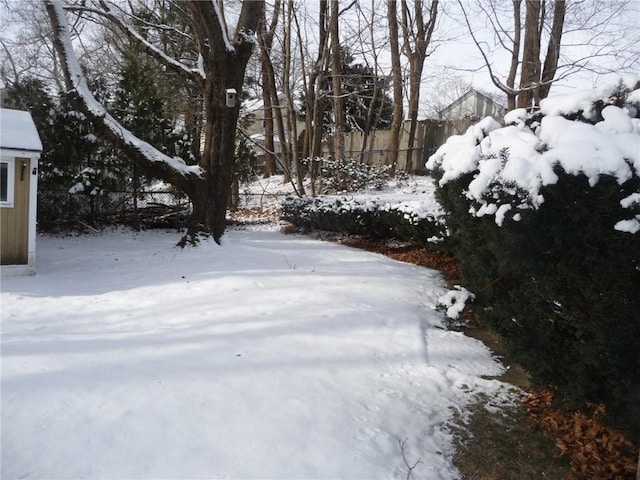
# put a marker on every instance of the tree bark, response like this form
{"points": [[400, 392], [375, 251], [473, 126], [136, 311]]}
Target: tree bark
{"points": [[530, 72], [315, 108], [396, 72], [515, 54], [292, 126], [553, 48], [269, 95], [336, 79]]}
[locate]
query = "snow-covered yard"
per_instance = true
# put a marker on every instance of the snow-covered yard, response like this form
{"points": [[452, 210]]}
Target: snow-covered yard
{"points": [[270, 356]]}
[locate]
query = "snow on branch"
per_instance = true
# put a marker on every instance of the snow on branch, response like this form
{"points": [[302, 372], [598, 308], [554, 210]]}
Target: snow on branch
{"points": [[223, 27], [154, 51], [77, 82]]}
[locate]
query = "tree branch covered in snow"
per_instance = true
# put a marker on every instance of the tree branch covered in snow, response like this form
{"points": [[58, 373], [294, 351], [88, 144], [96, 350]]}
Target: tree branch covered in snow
{"points": [[107, 12], [162, 165]]}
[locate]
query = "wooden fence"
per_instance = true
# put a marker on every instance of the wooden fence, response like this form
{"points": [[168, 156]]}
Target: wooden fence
{"points": [[430, 134]]}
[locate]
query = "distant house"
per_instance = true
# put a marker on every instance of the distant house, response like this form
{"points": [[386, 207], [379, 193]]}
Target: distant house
{"points": [[20, 149], [473, 105], [252, 119], [253, 113]]}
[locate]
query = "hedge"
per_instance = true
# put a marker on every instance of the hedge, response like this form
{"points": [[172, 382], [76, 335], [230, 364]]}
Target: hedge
{"points": [[555, 264]]}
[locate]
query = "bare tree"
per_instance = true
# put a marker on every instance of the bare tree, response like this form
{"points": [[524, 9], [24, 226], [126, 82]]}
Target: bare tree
{"points": [[396, 69], [373, 41], [313, 94], [24, 50], [269, 91], [287, 78], [336, 79], [218, 71], [579, 36], [416, 33]]}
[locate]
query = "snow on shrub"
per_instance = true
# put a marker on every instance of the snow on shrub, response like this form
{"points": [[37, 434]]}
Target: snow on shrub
{"points": [[511, 164], [87, 182], [419, 221], [454, 301], [350, 175]]}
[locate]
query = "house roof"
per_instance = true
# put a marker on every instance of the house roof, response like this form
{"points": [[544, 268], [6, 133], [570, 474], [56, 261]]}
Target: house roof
{"points": [[254, 105], [18, 132], [467, 95]]}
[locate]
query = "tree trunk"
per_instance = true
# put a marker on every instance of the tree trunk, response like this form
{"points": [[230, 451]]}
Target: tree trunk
{"points": [[317, 78], [269, 144], [416, 55], [515, 54], [396, 69], [292, 127], [371, 120], [218, 157], [336, 79], [530, 73], [269, 95], [414, 99], [553, 48]]}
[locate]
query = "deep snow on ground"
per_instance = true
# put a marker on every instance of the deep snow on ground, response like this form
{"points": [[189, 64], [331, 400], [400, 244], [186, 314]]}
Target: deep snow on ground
{"points": [[270, 356]]}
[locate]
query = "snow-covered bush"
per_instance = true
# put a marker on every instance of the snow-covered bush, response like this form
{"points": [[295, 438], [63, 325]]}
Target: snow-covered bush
{"points": [[369, 216], [544, 217], [349, 175], [592, 133], [453, 302]]}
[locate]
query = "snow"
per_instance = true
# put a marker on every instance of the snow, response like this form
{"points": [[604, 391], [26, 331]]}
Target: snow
{"points": [[583, 100], [629, 226], [223, 27], [77, 188], [270, 356], [515, 117], [17, 131], [455, 300], [521, 157], [615, 120]]}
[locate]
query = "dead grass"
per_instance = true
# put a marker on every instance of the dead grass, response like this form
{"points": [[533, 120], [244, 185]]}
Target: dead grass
{"points": [[502, 446]]}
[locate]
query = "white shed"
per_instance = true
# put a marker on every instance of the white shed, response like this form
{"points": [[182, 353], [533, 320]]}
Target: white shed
{"points": [[20, 149]]}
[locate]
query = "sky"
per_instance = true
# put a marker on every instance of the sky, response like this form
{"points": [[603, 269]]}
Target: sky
{"points": [[602, 27], [586, 28], [455, 55]]}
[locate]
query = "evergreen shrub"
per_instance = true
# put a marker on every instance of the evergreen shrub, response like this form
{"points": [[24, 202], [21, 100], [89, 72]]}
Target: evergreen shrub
{"points": [[556, 268], [373, 218]]}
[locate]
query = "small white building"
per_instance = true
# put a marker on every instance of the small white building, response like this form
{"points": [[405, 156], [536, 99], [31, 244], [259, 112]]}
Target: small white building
{"points": [[473, 105], [20, 149]]}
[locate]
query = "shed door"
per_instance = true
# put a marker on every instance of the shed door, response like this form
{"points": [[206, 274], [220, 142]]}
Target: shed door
{"points": [[14, 211]]}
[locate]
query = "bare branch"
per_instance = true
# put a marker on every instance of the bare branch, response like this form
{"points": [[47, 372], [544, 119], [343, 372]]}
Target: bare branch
{"points": [[494, 78], [275, 155], [410, 468]]}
